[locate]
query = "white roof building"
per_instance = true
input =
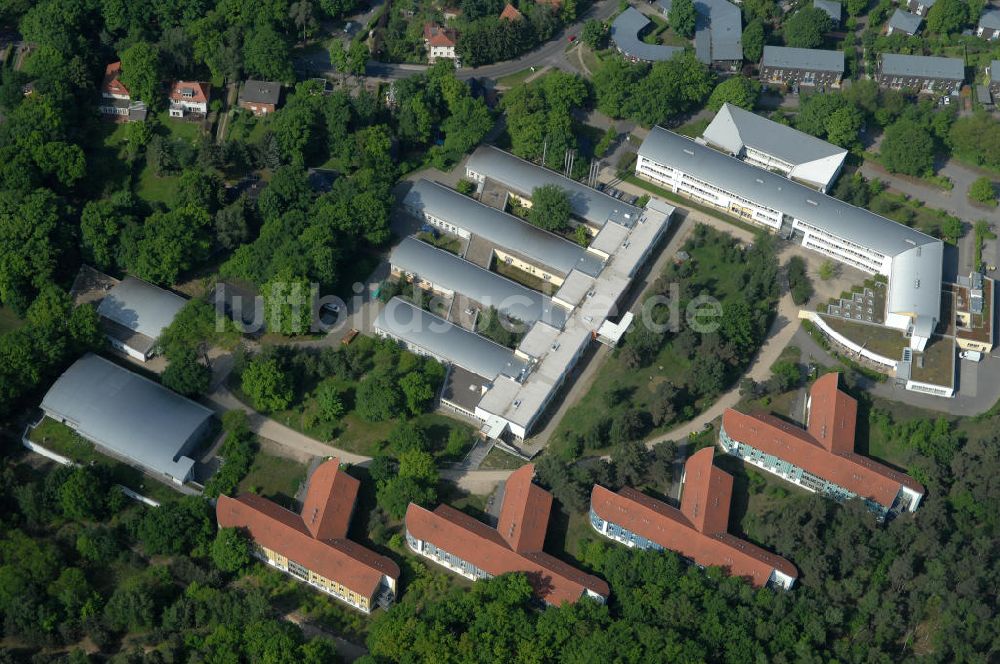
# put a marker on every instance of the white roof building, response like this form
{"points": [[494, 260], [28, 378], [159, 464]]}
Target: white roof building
{"points": [[135, 313], [772, 146]]}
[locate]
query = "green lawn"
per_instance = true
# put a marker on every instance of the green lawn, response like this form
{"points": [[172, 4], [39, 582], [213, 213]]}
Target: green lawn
{"points": [[694, 129], [157, 189], [500, 460], [9, 320], [516, 78], [182, 130], [244, 126], [274, 477], [618, 385], [62, 440]]}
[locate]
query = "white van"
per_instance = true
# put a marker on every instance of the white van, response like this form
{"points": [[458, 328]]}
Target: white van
{"points": [[971, 355]]}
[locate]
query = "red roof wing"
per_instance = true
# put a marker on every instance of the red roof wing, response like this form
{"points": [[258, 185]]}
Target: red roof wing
{"points": [[524, 515], [329, 501], [199, 90], [832, 414], [112, 84], [707, 493], [665, 525]]}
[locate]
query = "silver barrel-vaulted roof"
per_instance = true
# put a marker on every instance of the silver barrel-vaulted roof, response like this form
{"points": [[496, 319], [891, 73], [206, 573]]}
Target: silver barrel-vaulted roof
{"points": [[455, 274], [501, 229], [141, 306], [128, 414]]}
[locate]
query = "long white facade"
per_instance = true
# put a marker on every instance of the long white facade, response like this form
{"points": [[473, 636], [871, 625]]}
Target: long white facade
{"points": [[911, 260]]}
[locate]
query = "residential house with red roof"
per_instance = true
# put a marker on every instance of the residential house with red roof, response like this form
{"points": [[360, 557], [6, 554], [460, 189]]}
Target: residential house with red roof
{"points": [[116, 102], [511, 13], [697, 531], [440, 42], [474, 550], [189, 97], [312, 545], [821, 457]]}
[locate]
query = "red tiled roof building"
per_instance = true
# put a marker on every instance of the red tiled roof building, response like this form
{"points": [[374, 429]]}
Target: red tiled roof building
{"points": [[511, 13], [312, 546], [821, 457], [116, 101], [697, 531], [474, 550], [440, 42], [189, 97]]}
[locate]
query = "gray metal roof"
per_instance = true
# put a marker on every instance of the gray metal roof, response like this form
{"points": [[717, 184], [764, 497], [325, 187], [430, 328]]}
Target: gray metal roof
{"points": [[625, 33], [807, 59], [502, 229], [141, 306], [995, 71], [128, 414], [733, 128], [915, 285], [436, 336], [983, 95], [260, 92], [832, 9], [871, 230], [917, 271], [929, 66], [487, 288], [522, 176], [990, 19], [905, 22], [718, 31]]}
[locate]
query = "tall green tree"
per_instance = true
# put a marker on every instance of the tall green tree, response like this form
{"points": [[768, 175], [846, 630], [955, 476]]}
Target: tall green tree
{"points": [[141, 73], [682, 17], [806, 27]]}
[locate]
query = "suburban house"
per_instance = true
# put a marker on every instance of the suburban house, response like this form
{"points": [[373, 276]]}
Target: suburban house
{"points": [[921, 73], [312, 545], [910, 261], [903, 22], [801, 66], [260, 97], [821, 457], [775, 147], [116, 102], [189, 97], [440, 42], [129, 417], [698, 531], [989, 24], [832, 9], [133, 313], [718, 32], [470, 548], [625, 31], [919, 7], [510, 13]]}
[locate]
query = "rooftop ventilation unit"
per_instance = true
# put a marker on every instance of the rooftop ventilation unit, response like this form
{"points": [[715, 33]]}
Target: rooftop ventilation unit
{"points": [[690, 152]]}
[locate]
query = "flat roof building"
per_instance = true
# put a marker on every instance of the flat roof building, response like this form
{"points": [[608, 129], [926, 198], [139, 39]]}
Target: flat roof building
{"points": [[522, 177], [476, 551], [134, 313], [312, 545], [129, 416], [625, 32], [821, 457], [697, 531], [776, 147], [911, 260], [830, 8]]}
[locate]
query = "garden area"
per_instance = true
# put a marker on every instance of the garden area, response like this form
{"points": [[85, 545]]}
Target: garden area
{"points": [[668, 374], [354, 397], [62, 440]]}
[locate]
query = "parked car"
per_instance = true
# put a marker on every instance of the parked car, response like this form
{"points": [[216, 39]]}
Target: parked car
{"points": [[971, 355]]}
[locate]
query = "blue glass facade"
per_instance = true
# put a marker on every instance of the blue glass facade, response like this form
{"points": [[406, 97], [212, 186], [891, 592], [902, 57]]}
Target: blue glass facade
{"points": [[620, 534], [438, 554]]}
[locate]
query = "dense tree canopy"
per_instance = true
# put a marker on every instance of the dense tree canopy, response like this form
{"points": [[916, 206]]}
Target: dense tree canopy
{"points": [[806, 27]]}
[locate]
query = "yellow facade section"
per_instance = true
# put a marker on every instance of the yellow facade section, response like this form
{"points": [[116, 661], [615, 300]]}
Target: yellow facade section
{"points": [[330, 586], [514, 261]]}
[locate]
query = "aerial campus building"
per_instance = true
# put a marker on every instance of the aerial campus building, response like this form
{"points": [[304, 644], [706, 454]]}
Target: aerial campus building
{"points": [[697, 531], [129, 416], [718, 32], [625, 31], [802, 66], [509, 389], [312, 545], [911, 260], [472, 549], [133, 313], [775, 147], [922, 73], [821, 457]]}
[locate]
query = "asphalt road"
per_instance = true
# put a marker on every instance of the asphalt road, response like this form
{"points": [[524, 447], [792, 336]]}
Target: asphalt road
{"points": [[552, 53]]}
